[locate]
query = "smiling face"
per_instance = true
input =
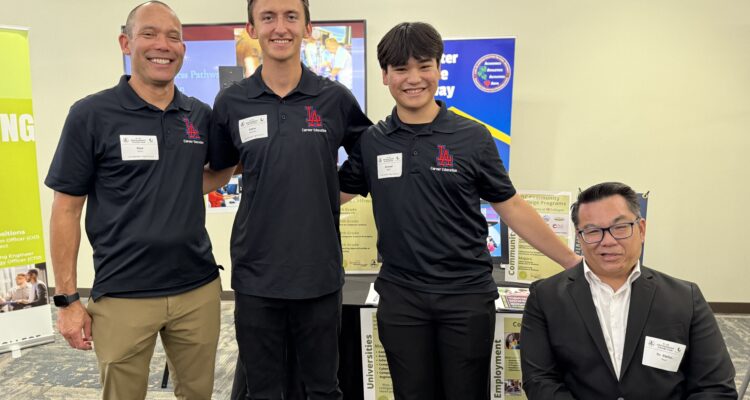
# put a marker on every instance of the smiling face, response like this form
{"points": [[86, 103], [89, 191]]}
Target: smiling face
{"points": [[154, 44], [279, 26], [413, 87], [611, 259]]}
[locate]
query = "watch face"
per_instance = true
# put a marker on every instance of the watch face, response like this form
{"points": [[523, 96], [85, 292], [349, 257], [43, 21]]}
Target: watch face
{"points": [[61, 300]]}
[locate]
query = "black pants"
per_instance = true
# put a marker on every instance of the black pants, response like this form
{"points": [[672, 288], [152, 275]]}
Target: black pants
{"points": [[438, 345], [267, 328]]}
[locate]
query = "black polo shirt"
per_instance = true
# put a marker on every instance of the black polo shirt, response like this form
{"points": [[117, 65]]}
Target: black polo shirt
{"points": [[145, 217], [426, 188], [285, 239]]}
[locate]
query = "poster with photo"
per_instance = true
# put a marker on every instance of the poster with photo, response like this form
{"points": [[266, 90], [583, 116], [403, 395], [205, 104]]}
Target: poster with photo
{"points": [[505, 381], [528, 264], [25, 314]]}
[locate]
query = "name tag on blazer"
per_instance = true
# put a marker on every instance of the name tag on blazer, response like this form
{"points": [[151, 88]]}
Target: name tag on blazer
{"points": [[662, 354]]}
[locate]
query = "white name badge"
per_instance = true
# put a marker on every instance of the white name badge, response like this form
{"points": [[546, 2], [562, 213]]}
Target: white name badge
{"points": [[389, 165], [139, 147], [252, 128], [662, 354]]}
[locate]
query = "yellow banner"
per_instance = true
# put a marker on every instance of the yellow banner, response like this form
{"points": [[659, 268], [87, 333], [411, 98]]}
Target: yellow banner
{"points": [[24, 304]]}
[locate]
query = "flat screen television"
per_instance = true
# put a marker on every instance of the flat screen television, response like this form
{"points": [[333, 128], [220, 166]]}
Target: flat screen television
{"points": [[219, 54]]}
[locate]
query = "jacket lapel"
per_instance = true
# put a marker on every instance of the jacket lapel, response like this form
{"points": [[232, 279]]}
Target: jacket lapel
{"points": [[579, 290], [641, 297]]}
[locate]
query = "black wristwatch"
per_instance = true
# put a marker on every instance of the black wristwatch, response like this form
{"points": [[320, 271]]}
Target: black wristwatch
{"points": [[64, 300]]}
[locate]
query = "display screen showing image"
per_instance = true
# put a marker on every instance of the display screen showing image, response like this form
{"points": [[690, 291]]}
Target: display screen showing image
{"points": [[219, 54]]}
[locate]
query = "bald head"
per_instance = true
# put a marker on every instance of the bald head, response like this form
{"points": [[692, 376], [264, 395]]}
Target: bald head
{"points": [[130, 22]]}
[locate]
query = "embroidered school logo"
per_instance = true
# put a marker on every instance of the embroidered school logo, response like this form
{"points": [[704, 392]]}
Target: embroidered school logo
{"points": [[444, 158], [313, 118], [190, 130], [491, 73], [192, 135]]}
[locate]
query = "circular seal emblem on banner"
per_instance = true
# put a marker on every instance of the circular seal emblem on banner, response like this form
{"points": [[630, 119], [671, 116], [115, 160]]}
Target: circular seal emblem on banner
{"points": [[491, 73]]}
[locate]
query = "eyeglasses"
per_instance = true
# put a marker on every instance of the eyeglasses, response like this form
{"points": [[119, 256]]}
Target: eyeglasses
{"points": [[618, 231]]}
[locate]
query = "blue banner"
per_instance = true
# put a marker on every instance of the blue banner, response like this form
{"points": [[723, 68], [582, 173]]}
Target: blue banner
{"points": [[477, 82]]}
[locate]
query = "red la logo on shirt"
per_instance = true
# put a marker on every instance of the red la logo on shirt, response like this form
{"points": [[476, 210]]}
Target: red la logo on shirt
{"points": [[190, 131], [444, 158], [313, 118]]}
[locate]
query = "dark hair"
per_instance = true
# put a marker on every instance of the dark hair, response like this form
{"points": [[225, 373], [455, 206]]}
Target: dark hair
{"points": [[305, 5], [409, 39], [128, 30], [604, 190], [33, 271]]}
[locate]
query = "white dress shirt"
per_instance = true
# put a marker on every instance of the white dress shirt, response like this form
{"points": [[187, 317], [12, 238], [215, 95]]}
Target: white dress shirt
{"points": [[612, 309]]}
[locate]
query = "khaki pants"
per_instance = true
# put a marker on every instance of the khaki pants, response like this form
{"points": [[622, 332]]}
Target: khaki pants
{"points": [[124, 333]]}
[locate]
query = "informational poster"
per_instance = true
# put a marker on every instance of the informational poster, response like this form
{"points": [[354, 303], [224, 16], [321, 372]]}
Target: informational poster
{"points": [[376, 378], [359, 237], [505, 363], [527, 264], [505, 382], [25, 314]]}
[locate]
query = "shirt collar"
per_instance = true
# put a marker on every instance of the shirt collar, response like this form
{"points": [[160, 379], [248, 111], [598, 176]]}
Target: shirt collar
{"points": [[592, 278], [308, 84], [130, 100], [442, 123]]}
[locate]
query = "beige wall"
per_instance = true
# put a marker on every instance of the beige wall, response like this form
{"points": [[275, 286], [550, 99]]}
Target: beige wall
{"points": [[652, 93]]}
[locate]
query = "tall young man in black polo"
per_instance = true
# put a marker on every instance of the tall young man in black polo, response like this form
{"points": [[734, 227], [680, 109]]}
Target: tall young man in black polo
{"points": [[427, 169], [285, 124], [135, 154]]}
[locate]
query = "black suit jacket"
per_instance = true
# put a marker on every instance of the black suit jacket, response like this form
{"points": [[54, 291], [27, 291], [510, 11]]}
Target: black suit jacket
{"points": [[564, 356]]}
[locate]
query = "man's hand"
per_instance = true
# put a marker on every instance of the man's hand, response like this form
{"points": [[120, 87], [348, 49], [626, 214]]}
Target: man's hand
{"points": [[74, 323]]}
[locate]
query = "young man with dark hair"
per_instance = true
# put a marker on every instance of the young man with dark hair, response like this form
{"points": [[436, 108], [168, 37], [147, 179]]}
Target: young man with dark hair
{"points": [[427, 170], [285, 124], [134, 154], [39, 294], [613, 328]]}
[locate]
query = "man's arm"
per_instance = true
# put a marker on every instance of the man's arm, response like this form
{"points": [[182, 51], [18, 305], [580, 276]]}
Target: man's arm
{"points": [[73, 321], [709, 372], [526, 222], [213, 180], [541, 379]]}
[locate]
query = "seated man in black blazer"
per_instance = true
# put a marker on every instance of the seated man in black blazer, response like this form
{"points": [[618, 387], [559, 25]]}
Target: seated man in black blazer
{"points": [[611, 328]]}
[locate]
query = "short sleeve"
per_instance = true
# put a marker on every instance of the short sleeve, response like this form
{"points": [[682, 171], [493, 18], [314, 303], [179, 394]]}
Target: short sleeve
{"points": [[356, 121], [493, 182], [222, 152], [352, 178], [74, 164]]}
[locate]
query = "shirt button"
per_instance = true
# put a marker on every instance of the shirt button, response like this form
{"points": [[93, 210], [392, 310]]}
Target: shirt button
{"points": [[283, 116], [415, 152]]}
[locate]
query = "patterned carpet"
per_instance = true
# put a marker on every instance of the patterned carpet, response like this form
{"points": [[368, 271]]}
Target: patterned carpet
{"points": [[54, 371]]}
